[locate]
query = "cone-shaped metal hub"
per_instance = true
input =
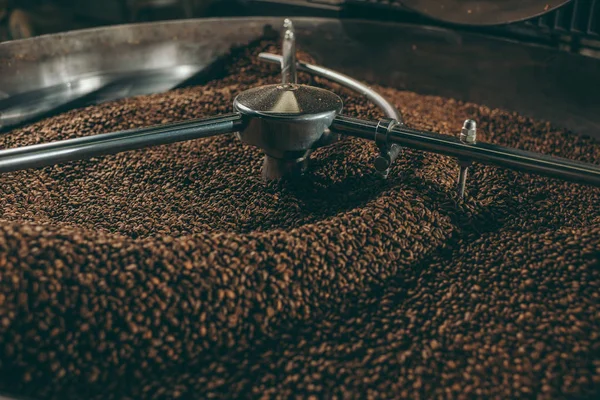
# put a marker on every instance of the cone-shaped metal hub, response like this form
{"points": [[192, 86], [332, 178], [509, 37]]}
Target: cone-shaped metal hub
{"points": [[286, 121], [290, 101]]}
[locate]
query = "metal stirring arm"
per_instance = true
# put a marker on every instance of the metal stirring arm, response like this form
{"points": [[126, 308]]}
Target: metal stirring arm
{"points": [[42, 155], [480, 152]]}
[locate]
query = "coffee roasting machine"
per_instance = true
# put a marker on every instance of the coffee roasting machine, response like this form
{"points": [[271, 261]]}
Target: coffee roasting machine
{"points": [[287, 121], [540, 59]]}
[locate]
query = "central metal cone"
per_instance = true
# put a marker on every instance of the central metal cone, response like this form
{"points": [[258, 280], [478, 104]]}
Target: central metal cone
{"points": [[286, 122]]}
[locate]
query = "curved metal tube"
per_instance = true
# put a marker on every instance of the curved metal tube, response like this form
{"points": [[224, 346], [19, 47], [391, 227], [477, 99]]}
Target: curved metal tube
{"points": [[110, 143], [480, 152], [388, 108]]}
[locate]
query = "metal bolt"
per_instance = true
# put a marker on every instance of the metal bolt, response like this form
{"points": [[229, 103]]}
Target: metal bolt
{"points": [[468, 135]]}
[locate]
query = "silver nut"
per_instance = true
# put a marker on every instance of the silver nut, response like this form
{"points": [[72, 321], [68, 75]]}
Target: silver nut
{"points": [[468, 133]]}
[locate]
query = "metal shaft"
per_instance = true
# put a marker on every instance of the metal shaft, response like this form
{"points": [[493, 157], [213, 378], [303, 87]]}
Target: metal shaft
{"points": [[110, 143], [288, 63], [462, 179], [468, 135], [480, 152]]}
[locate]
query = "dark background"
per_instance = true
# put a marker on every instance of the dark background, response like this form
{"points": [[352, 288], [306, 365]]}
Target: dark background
{"points": [[574, 27]]}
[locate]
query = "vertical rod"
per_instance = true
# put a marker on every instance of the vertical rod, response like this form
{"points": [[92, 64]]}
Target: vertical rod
{"points": [[288, 65], [462, 180], [468, 135]]}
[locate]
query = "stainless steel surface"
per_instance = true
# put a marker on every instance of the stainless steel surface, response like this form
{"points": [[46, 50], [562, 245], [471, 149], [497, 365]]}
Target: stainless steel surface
{"points": [[292, 102], [278, 168], [480, 152], [468, 133], [288, 63], [388, 152], [388, 109], [29, 106], [285, 121], [483, 12], [535, 81], [52, 73], [462, 177], [111, 143]]}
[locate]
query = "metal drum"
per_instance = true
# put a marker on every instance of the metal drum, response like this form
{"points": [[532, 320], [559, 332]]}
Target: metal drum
{"points": [[48, 74]]}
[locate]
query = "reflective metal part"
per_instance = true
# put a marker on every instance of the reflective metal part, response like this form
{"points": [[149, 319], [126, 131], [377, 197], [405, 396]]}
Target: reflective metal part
{"points": [[468, 135], [286, 122], [110, 143], [462, 177], [385, 159], [26, 107], [288, 102], [288, 63], [278, 168], [387, 151], [480, 152], [387, 154], [388, 108]]}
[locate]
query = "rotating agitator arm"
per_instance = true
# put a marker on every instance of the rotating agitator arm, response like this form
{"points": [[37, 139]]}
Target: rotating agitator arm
{"points": [[52, 153], [467, 149]]}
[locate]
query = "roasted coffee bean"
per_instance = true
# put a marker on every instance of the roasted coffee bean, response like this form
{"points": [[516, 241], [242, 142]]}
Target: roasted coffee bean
{"points": [[176, 272]]}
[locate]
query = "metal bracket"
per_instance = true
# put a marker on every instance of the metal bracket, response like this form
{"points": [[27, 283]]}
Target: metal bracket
{"points": [[387, 152], [468, 135]]}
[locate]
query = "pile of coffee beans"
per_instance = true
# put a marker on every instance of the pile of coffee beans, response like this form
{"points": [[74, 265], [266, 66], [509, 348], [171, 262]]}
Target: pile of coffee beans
{"points": [[176, 272]]}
